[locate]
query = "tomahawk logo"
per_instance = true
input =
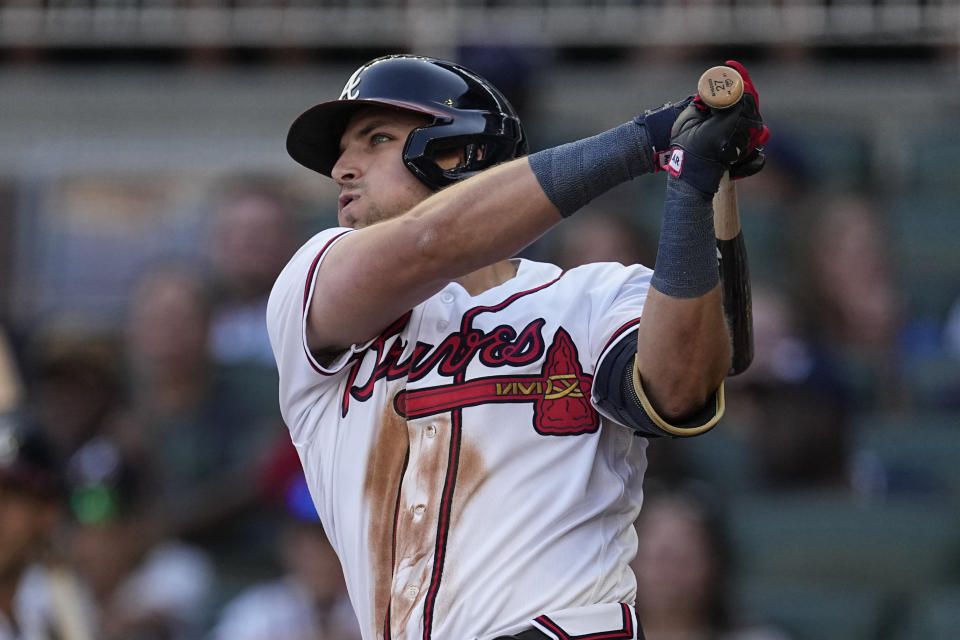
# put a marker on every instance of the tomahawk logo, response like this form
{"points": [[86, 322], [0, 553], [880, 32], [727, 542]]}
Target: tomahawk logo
{"points": [[559, 393]]}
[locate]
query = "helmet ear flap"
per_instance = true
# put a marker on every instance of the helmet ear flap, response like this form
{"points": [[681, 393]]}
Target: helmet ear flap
{"points": [[473, 158], [485, 139]]}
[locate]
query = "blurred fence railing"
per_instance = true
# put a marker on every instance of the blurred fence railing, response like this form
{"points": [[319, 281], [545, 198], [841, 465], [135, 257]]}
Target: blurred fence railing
{"points": [[414, 23]]}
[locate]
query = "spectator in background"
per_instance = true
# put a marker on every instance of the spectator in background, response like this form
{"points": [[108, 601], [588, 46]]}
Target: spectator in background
{"points": [[800, 439], [683, 570], [252, 238], [793, 415], [160, 591], [309, 602], [40, 599], [789, 406], [74, 382], [854, 307], [195, 430]]}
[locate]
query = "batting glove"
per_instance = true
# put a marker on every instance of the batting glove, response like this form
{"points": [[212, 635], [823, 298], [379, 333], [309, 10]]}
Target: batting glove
{"points": [[706, 142], [749, 165], [658, 123]]}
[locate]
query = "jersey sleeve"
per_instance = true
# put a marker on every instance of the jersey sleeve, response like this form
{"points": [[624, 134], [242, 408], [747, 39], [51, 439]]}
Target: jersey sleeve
{"points": [[302, 375], [616, 297]]}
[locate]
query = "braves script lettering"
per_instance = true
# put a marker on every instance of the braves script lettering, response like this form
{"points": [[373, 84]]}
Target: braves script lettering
{"points": [[502, 346]]}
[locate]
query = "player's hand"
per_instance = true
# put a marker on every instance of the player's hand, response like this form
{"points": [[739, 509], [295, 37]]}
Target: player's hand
{"points": [[659, 122], [706, 142]]}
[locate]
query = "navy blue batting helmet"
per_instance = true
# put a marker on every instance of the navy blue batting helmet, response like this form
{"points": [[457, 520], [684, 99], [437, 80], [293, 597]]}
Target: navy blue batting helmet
{"points": [[466, 112]]}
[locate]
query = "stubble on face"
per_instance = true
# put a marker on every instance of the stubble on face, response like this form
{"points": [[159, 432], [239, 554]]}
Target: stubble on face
{"points": [[384, 206]]}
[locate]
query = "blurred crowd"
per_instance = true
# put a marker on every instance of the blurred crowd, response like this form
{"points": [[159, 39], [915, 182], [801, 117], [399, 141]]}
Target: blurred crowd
{"points": [[149, 489]]}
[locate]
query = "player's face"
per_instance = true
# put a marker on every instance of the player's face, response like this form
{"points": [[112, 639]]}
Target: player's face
{"points": [[374, 183]]}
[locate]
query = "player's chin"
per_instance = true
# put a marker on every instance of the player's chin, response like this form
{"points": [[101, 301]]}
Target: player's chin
{"points": [[345, 219], [371, 218], [358, 215]]}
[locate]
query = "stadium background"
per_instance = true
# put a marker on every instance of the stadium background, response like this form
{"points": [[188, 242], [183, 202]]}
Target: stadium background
{"points": [[124, 123]]}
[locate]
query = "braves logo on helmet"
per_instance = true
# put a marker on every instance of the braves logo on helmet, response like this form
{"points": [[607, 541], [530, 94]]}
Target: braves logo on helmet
{"points": [[350, 89]]}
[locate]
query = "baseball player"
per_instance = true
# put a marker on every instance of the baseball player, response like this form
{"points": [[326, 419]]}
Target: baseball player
{"points": [[469, 422]]}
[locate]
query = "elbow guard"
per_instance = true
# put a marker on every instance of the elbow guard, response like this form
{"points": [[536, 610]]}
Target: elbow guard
{"points": [[617, 389]]}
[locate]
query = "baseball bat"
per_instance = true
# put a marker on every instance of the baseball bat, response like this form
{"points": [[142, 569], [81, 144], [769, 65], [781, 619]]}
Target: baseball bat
{"points": [[720, 88], [734, 274]]}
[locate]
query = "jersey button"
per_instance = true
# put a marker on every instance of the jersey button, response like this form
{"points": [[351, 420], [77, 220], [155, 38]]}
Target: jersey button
{"points": [[430, 430], [419, 509], [441, 325], [447, 297], [412, 591]]}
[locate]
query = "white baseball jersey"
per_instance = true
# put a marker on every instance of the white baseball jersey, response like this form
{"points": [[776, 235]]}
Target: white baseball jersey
{"points": [[461, 470]]}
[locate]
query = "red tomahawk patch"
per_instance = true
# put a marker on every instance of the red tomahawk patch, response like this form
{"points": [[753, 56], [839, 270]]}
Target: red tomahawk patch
{"points": [[560, 394]]}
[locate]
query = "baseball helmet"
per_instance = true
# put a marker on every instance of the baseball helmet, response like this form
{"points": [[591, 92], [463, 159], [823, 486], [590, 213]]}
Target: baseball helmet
{"points": [[466, 112]]}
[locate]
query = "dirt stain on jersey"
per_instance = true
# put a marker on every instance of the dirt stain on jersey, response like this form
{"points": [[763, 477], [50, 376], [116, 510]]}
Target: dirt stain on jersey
{"points": [[422, 490], [419, 513], [417, 528], [385, 464]]}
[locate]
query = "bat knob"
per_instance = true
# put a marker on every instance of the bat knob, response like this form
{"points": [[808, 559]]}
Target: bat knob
{"points": [[720, 87]]}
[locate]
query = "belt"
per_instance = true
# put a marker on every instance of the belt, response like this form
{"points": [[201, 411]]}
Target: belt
{"points": [[628, 618], [536, 634]]}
